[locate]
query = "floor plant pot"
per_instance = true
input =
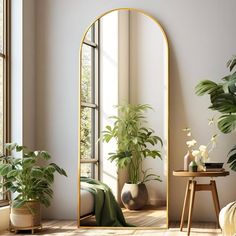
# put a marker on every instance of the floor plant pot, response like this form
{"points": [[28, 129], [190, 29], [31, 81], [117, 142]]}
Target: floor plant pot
{"points": [[26, 217], [227, 219], [134, 196]]}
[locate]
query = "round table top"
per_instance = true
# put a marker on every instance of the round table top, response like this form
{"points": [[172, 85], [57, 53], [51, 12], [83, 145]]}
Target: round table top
{"points": [[183, 173]]}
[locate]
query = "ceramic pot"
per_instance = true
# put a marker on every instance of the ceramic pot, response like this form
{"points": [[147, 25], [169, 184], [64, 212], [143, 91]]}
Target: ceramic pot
{"points": [[134, 196], [227, 219], [27, 216], [187, 159]]}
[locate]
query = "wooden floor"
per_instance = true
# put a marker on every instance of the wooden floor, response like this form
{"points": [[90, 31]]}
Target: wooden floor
{"points": [[149, 216], [69, 228]]}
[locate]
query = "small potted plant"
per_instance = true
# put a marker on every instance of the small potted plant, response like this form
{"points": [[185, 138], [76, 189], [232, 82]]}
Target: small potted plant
{"points": [[29, 178], [134, 141]]}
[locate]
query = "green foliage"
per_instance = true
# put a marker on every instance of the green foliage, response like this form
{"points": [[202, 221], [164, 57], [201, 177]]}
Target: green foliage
{"points": [[223, 99], [232, 158], [86, 96], [27, 177], [134, 141]]}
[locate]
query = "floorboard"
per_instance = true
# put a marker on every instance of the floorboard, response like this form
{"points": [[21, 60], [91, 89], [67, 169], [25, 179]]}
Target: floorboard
{"points": [[147, 217], [69, 228]]}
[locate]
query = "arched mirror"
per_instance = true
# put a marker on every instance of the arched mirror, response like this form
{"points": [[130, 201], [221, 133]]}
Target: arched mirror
{"points": [[123, 125]]}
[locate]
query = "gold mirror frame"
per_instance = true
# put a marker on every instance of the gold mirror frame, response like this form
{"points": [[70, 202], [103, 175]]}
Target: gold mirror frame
{"points": [[167, 123]]}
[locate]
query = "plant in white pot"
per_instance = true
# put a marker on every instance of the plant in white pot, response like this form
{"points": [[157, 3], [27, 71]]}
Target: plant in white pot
{"points": [[135, 142], [29, 178]]}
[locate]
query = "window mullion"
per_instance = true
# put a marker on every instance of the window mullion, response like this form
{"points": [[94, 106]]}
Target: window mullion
{"points": [[97, 100], [91, 44], [5, 57], [92, 105]]}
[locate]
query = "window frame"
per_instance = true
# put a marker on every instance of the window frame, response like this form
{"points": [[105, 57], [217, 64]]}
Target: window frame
{"points": [[5, 55], [94, 105]]}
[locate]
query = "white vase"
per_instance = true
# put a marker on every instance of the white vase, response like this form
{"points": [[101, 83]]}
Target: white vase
{"points": [[187, 159]]}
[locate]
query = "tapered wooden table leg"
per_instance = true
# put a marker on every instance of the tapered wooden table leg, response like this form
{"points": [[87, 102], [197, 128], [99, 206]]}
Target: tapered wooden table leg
{"points": [[186, 200], [192, 196], [193, 187], [215, 200]]}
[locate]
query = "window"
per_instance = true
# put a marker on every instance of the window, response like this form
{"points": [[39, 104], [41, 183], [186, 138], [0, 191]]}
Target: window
{"points": [[90, 104], [4, 83]]}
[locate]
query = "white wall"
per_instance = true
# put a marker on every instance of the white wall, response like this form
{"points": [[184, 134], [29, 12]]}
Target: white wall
{"points": [[108, 63], [16, 71], [202, 37], [57, 62], [23, 72], [148, 82], [28, 70]]}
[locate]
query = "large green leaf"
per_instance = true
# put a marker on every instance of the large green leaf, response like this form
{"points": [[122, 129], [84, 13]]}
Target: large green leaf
{"points": [[5, 169], [19, 148], [229, 83], [10, 146], [58, 169], [232, 158], [50, 177], [225, 103], [12, 173], [50, 169], [206, 87], [37, 173], [227, 123], [28, 161], [231, 63], [45, 155]]}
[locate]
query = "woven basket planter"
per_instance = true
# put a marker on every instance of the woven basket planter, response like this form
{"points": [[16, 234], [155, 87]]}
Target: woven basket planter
{"points": [[26, 217]]}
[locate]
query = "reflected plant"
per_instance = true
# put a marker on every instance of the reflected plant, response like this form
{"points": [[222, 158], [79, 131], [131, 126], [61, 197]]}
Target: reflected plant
{"points": [[134, 141]]}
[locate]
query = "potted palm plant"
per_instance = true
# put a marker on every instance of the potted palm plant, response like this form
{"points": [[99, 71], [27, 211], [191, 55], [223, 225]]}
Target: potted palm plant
{"points": [[135, 142], [29, 179], [223, 99]]}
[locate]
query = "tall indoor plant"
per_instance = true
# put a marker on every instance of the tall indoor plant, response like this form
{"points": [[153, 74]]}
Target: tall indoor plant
{"points": [[135, 142], [29, 178], [223, 99]]}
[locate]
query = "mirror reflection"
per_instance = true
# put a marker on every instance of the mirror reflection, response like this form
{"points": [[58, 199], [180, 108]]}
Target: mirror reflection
{"points": [[124, 122]]}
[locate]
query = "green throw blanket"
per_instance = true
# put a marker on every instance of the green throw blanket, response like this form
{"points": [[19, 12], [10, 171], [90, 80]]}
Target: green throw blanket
{"points": [[107, 210]]}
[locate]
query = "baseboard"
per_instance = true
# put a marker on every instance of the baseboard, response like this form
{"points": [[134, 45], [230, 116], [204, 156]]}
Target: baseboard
{"points": [[157, 202]]}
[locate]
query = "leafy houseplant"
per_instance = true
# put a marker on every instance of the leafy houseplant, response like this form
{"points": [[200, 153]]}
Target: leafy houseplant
{"points": [[223, 99], [134, 141], [30, 178]]}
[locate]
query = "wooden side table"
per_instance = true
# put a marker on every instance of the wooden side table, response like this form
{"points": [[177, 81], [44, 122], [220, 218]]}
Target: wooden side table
{"points": [[193, 187]]}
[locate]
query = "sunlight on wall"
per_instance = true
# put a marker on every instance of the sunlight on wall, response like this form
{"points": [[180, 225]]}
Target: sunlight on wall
{"points": [[147, 85], [108, 92]]}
